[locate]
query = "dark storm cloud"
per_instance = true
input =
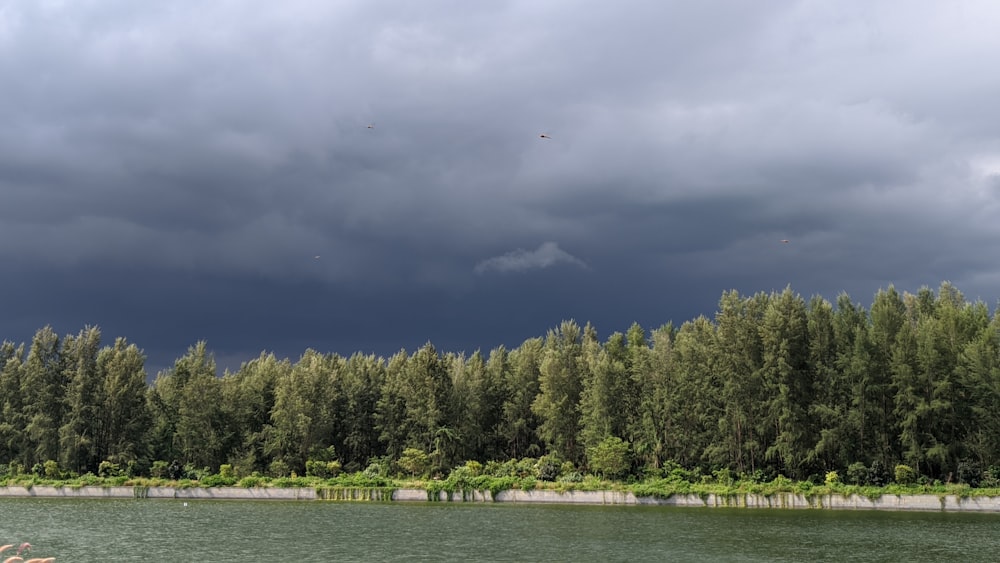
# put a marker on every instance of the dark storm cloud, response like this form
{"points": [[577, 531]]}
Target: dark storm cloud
{"points": [[171, 172]]}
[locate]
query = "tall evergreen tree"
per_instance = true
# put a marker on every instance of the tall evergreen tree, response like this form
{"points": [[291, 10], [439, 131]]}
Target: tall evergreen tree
{"points": [[123, 417], [43, 390], [178, 410], [878, 402], [560, 385], [13, 440], [739, 360], [306, 403], [519, 423], [79, 433], [786, 376], [362, 381]]}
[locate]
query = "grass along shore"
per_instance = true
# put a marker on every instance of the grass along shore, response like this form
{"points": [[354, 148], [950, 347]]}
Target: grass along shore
{"points": [[340, 487]]}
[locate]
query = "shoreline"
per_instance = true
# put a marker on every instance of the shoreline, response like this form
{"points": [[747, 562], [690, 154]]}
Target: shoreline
{"points": [[917, 502]]}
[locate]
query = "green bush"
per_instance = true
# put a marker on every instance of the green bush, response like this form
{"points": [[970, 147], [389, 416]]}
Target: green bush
{"points": [[414, 461], [724, 477], [108, 469], [832, 478], [322, 469], [571, 477], [610, 458], [548, 467], [905, 475], [526, 467], [782, 483], [279, 468], [217, 481], [51, 469], [160, 469], [251, 482], [857, 473]]}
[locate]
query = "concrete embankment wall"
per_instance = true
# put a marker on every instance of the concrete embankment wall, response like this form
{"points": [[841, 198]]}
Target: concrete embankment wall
{"points": [[234, 493], [950, 503]]}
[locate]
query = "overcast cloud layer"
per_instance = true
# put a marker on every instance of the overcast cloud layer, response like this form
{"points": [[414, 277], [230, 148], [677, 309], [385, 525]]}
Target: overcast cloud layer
{"points": [[368, 176]]}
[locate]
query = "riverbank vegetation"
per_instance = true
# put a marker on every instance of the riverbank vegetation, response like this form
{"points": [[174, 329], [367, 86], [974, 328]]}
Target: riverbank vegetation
{"points": [[773, 388]]}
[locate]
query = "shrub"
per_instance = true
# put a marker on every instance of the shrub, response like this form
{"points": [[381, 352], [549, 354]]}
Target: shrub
{"points": [[279, 468], [414, 461], [251, 482], [832, 478], [526, 467], [782, 483], [379, 467], [724, 476], [475, 468], [991, 478], [969, 472], [905, 475], [878, 474], [217, 481], [610, 458], [108, 469], [548, 467], [51, 469], [571, 477], [160, 469], [322, 469], [857, 473]]}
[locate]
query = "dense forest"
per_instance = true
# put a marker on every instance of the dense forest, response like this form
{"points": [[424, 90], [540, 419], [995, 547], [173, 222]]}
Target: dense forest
{"points": [[773, 385]]}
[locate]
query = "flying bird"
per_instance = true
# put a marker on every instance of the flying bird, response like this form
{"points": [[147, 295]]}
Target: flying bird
{"points": [[316, 257], [544, 136], [371, 125], [784, 241]]}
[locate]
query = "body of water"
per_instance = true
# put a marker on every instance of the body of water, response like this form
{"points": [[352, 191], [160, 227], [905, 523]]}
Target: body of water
{"points": [[81, 531]]}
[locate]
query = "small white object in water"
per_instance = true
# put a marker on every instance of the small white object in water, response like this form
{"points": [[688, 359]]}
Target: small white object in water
{"points": [[185, 504]]}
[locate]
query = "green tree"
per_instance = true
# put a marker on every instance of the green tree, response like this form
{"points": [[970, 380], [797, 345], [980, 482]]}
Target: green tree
{"points": [[79, 433], [306, 403], [362, 381], [560, 385], [391, 422], [609, 458], [414, 461], [248, 397], [12, 421], [979, 372], [184, 403], [519, 423], [43, 390], [691, 407], [738, 364], [786, 376], [123, 417], [829, 410], [605, 401], [651, 372], [878, 401]]}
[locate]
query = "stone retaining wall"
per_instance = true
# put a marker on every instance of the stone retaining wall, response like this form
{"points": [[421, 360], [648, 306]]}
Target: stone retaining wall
{"points": [[950, 503]]}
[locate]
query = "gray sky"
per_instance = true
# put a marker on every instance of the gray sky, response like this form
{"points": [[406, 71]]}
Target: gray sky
{"points": [[170, 173]]}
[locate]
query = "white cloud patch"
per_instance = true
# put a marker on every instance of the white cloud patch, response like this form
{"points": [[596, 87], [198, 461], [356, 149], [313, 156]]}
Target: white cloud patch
{"points": [[521, 260]]}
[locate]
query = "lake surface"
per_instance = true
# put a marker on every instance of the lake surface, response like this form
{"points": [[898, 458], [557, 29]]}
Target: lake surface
{"points": [[82, 531]]}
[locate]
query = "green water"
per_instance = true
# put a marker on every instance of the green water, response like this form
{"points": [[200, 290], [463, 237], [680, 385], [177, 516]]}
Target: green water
{"points": [[167, 530]]}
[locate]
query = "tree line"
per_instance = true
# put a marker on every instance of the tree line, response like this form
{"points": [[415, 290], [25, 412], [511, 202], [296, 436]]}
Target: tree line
{"points": [[773, 384]]}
